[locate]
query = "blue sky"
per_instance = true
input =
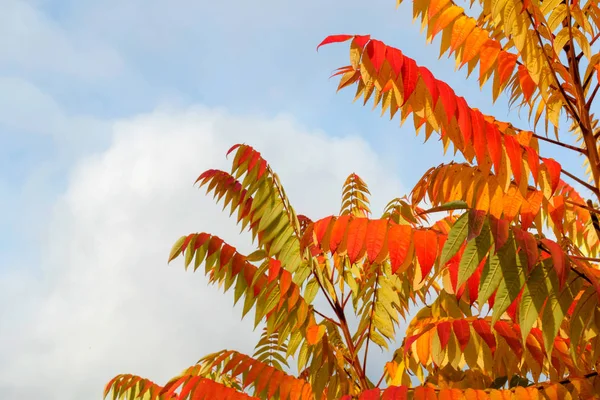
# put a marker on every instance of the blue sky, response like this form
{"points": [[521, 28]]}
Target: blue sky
{"points": [[108, 112]]}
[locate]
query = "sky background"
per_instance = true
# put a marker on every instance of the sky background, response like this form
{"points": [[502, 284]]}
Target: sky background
{"points": [[108, 113]]}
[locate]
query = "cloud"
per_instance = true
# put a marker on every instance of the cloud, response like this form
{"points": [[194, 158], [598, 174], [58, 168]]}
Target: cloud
{"points": [[103, 300]]}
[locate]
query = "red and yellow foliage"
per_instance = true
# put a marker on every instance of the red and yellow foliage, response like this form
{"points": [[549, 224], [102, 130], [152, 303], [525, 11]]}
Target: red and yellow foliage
{"points": [[502, 292]]}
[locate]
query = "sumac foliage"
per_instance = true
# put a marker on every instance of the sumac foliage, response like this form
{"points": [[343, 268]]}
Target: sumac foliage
{"points": [[497, 297]]}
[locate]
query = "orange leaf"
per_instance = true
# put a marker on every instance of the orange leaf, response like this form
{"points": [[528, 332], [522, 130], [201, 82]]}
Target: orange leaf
{"points": [[447, 16], [506, 66], [314, 334], [531, 207], [494, 145], [426, 248], [338, 232], [399, 238], [375, 238], [424, 393]]}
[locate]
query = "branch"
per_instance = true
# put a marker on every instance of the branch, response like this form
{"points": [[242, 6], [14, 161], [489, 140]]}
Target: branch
{"points": [[556, 142], [593, 189], [371, 321], [560, 88], [327, 318], [588, 105], [590, 209]]}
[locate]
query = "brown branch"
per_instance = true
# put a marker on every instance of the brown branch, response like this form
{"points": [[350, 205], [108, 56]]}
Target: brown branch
{"points": [[558, 143], [326, 318], [566, 381], [593, 189], [588, 105], [561, 89]]}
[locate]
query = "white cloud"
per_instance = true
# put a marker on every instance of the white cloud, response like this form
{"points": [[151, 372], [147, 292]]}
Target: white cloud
{"points": [[106, 301]]}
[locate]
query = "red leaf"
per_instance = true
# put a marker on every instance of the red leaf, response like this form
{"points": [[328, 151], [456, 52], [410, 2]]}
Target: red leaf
{"points": [[448, 99], [399, 238], [506, 65], [479, 137], [361, 40], [320, 229], [513, 150], [396, 59], [227, 253], [409, 78], [528, 244], [474, 281], [559, 259], [430, 83], [464, 119], [371, 394], [357, 230], [375, 239], [553, 169], [534, 162], [443, 330], [494, 143], [556, 209], [461, 330], [395, 393], [232, 148], [376, 52], [504, 329], [426, 249], [334, 39], [527, 84], [482, 328]]}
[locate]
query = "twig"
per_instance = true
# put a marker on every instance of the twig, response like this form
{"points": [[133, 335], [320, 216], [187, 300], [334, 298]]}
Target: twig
{"points": [[556, 142], [326, 318]]}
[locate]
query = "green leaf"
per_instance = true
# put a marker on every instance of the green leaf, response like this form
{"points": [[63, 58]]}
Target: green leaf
{"points": [[512, 266], [257, 255], [557, 306], [581, 316], [456, 238], [474, 254], [310, 292], [490, 278], [533, 298], [176, 249]]}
